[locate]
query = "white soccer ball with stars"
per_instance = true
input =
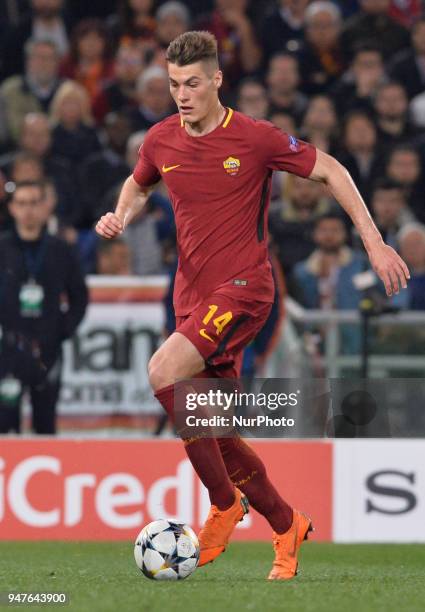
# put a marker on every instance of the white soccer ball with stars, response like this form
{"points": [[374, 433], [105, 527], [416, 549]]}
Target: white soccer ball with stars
{"points": [[166, 550]]}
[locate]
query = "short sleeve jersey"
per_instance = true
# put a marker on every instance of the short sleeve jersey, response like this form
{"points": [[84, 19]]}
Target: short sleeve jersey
{"points": [[219, 185]]}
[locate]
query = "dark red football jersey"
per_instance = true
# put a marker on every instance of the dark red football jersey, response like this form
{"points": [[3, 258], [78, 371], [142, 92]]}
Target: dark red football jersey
{"points": [[219, 185]]}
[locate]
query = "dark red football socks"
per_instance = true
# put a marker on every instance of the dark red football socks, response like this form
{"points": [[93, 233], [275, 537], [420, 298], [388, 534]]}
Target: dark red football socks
{"points": [[203, 452], [224, 463], [248, 473]]}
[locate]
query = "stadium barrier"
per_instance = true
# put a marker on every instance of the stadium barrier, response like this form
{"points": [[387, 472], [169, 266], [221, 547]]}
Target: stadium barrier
{"points": [[399, 355], [105, 365], [355, 490]]}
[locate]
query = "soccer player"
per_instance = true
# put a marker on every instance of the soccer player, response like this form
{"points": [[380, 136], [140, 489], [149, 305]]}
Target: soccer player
{"points": [[217, 166]]}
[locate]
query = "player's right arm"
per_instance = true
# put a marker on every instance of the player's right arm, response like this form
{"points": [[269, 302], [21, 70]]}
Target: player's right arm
{"points": [[134, 193], [131, 202]]}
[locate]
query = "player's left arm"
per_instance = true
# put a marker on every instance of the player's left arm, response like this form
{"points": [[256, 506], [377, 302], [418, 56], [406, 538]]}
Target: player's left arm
{"points": [[388, 265]]}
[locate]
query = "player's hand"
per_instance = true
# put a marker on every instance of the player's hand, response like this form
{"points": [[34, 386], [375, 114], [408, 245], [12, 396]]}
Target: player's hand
{"points": [[109, 226], [390, 267]]}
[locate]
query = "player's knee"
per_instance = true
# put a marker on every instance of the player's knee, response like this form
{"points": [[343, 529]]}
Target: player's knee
{"points": [[159, 373]]}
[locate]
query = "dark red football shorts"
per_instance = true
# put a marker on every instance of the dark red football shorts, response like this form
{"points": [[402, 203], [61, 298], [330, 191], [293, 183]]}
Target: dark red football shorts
{"points": [[220, 328]]}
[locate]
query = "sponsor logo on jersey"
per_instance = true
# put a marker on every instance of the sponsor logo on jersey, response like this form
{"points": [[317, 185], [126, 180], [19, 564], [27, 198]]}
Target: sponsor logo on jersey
{"points": [[232, 165]]}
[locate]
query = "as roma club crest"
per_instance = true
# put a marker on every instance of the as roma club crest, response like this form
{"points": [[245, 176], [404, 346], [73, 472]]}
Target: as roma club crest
{"points": [[232, 165]]}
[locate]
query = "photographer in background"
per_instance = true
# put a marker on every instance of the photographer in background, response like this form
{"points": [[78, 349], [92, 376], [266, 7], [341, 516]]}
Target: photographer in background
{"points": [[43, 298]]}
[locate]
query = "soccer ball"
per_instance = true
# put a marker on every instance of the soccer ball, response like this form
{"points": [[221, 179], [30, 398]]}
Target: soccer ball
{"points": [[165, 550]]}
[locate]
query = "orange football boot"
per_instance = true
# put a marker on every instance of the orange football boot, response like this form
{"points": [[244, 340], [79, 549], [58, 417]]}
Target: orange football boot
{"points": [[286, 546], [218, 528]]}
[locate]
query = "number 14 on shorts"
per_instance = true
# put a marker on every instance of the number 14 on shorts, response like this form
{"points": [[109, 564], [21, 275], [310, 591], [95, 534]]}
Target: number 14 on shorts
{"points": [[219, 321]]}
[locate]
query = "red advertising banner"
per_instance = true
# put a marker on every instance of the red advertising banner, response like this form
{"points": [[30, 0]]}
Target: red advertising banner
{"points": [[107, 490]]}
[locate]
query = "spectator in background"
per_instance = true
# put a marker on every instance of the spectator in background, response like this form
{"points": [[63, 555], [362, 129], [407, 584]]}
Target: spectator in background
{"points": [[74, 136], [325, 279], [405, 11], [356, 88], [12, 13], [113, 257], [98, 8], [252, 99], [120, 92], [153, 97], [43, 22], [89, 60], [411, 240], [390, 210], [417, 110], [238, 50], [404, 168], [408, 66], [360, 153], [33, 91], [320, 124], [148, 235], [392, 115], [53, 225], [321, 61], [43, 302], [283, 27], [172, 19], [373, 25], [134, 143], [283, 80], [145, 236], [348, 7], [26, 167], [5, 219], [4, 132], [132, 24], [302, 202], [103, 170], [36, 139], [284, 121]]}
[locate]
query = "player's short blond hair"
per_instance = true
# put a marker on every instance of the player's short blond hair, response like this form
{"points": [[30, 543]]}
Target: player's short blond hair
{"points": [[192, 47]]}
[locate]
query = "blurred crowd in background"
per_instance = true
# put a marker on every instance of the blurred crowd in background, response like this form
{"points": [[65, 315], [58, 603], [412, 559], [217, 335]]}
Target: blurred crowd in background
{"points": [[82, 82]]}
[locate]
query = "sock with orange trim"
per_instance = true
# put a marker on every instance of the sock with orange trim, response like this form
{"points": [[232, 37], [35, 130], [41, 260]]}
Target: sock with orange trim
{"points": [[203, 452], [248, 473]]}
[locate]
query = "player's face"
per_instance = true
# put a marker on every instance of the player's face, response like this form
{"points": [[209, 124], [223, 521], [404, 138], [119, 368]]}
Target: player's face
{"points": [[194, 89]]}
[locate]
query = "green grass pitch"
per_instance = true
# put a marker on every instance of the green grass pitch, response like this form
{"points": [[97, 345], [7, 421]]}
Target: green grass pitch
{"points": [[333, 578]]}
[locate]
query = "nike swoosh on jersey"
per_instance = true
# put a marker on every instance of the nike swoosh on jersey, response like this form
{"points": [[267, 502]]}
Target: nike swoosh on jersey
{"points": [[166, 169], [204, 334]]}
